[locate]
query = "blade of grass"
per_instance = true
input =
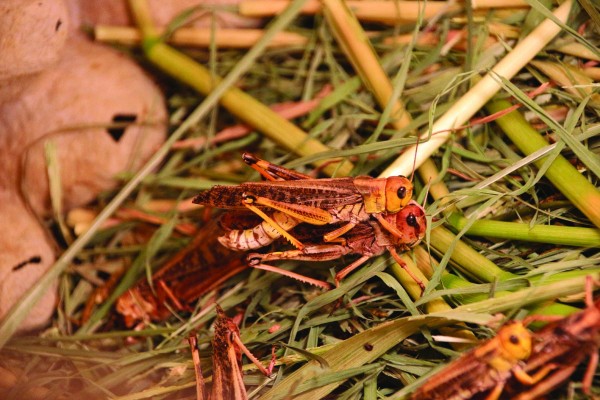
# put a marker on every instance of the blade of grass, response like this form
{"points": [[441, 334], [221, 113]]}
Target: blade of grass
{"points": [[583, 194], [367, 346], [476, 97]]}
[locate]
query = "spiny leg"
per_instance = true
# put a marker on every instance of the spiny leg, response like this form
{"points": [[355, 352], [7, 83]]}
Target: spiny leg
{"points": [[295, 242], [310, 253], [344, 272], [272, 171], [293, 275], [335, 234], [496, 392], [590, 371], [251, 357], [304, 213], [547, 384], [402, 264], [170, 295], [527, 379], [200, 386], [389, 227]]}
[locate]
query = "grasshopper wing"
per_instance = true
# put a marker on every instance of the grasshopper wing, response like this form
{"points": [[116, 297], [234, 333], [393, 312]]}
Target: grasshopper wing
{"points": [[321, 193]]}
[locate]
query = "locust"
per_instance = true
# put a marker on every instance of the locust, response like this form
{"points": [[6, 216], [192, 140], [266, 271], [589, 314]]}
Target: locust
{"points": [[296, 198], [366, 239], [227, 378], [484, 370], [565, 344], [200, 267]]}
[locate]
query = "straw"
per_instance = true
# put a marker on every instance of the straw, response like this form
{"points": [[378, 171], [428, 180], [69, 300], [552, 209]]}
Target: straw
{"points": [[385, 11], [201, 37], [359, 51], [476, 97], [583, 194]]}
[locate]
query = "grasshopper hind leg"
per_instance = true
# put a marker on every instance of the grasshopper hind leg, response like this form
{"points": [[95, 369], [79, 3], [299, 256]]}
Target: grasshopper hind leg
{"points": [[326, 252], [293, 275], [270, 171]]}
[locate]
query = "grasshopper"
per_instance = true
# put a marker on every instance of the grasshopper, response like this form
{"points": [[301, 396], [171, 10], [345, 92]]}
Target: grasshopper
{"points": [[565, 343], [197, 269], [485, 369], [297, 198], [228, 378], [366, 238]]}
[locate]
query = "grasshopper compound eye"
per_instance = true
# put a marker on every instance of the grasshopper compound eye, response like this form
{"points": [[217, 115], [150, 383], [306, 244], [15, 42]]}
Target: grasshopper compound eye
{"points": [[411, 220], [401, 192]]}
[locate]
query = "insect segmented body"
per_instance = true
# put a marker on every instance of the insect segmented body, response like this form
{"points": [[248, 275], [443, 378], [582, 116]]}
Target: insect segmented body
{"points": [[313, 201], [264, 233], [227, 378]]}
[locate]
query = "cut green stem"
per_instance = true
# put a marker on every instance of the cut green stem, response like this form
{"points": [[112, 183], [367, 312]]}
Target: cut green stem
{"points": [[239, 103], [584, 195], [559, 235]]}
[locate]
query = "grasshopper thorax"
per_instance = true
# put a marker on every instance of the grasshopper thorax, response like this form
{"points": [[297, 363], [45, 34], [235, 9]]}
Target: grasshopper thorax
{"points": [[384, 194]]}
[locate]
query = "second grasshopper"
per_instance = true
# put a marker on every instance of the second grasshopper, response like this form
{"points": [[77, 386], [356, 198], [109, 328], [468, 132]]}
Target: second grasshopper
{"points": [[366, 239]]}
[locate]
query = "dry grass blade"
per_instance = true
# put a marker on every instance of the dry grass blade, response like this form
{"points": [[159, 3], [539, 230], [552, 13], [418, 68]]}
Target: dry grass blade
{"points": [[357, 47], [198, 37], [474, 99]]}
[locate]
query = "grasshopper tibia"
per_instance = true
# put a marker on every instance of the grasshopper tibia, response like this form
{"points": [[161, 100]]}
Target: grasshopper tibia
{"points": [[270, 171]]}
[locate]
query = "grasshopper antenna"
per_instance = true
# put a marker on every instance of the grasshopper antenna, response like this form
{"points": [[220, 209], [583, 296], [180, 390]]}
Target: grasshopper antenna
{"points": [[412, 174]]}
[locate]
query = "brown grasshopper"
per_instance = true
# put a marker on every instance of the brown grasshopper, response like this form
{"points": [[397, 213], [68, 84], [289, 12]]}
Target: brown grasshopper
{"points": [[484, 370], [298, 198], [200, 267], [227, 378], [367, 239], [566, 344]]}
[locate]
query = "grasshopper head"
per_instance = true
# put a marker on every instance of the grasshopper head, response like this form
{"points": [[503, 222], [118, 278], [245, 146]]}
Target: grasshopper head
{"points": [[411, 221], [514, 345], [398, 192]]}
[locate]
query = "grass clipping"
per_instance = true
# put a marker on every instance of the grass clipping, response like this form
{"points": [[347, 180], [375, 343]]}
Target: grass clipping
{"points": [[505, 201]]}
